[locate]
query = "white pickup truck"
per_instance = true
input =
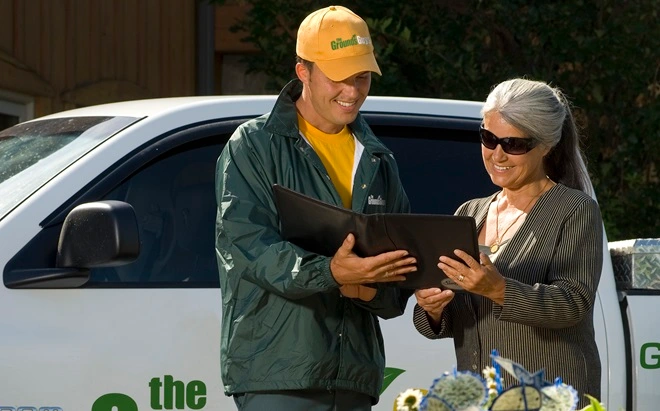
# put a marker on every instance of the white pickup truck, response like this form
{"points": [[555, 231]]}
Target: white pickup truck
{"points": [[86, 325]]}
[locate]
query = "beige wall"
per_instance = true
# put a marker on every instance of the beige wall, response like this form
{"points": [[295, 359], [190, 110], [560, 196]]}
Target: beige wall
{"points": [[70, 53]]}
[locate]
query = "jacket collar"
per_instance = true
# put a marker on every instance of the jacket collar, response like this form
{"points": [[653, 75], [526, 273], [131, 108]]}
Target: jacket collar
{"points": [[283, 120]]}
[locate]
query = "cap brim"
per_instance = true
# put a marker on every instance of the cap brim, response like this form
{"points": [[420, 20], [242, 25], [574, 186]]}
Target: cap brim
{"points": [[343, 68]]}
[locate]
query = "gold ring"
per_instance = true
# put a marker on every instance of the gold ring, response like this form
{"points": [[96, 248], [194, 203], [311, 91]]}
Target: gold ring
{"points": [[461, 277]]}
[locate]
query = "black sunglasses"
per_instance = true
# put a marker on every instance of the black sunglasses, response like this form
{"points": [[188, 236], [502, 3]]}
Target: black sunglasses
{"points": [[510, 145]]}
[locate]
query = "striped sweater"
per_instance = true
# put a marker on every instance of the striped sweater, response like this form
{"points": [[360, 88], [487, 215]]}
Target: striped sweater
{"points": [[552, 266]]}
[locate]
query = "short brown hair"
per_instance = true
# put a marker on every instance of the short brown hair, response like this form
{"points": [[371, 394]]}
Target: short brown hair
{"points": [[306, 63]]}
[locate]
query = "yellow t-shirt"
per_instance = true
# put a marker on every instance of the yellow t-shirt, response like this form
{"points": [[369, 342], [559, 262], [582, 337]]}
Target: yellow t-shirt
{"points": [[337, 152]]}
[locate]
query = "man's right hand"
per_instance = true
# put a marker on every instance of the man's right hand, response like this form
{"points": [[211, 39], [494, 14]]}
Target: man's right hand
{"points": [[348, 268]]}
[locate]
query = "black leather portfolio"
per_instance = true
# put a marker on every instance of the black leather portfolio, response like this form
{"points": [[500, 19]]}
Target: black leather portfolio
{"points": [[321, 228]]}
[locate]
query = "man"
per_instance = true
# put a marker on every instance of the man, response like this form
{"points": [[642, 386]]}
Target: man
{"points": [[299, 330]]}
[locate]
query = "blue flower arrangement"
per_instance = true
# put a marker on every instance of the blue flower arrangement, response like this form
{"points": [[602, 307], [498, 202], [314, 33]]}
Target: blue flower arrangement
{"points": [[466, 391]]}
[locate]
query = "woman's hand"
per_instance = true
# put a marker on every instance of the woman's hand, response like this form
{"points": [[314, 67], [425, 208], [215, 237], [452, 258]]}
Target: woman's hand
{"points": [[434, 301], [480, 278]]}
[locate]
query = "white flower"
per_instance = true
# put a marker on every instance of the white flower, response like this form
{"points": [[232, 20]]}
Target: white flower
{"points": [[489, 373], [409, 400]]}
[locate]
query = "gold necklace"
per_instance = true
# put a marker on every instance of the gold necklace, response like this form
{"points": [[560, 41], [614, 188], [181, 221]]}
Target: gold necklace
{"points": [[498, 240]]}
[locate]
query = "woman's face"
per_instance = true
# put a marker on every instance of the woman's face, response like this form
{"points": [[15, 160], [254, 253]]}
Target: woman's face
{"points": [[508, 170]]}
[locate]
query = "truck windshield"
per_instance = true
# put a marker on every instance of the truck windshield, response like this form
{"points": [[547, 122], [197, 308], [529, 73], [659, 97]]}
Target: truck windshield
{"points": [[33, 153]]}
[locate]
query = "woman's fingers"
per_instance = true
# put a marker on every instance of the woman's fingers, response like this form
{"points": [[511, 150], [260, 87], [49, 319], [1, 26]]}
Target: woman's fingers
{"points": [[433, 299]]}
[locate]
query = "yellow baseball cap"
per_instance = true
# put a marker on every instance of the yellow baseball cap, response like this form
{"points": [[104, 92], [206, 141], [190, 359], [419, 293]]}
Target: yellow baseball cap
{"points": [[338, 41]]}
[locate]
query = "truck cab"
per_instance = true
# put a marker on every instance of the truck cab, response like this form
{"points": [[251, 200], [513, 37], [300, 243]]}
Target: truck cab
{"points": [[110, 285]]}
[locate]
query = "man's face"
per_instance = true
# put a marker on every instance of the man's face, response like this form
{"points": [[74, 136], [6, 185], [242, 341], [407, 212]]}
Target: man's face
{"points": [[330, 105]]}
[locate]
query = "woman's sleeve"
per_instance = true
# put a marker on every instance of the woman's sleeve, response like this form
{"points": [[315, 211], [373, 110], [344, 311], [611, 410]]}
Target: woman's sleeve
{"points": [[572, 279], [423, 324]]}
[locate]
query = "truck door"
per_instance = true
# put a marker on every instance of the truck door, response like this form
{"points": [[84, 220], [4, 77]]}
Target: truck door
{"points": [[144, 334]]}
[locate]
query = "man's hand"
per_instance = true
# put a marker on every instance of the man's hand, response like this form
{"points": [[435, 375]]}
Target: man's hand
{"points": [[358, 291], [349, 269]]}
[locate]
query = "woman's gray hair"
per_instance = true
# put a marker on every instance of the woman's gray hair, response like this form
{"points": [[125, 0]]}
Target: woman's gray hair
{"points": [[544, 114]]}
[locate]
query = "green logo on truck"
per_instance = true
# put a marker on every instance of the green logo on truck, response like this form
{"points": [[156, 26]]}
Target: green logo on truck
{"points": [[165, 394], [649, 355]]}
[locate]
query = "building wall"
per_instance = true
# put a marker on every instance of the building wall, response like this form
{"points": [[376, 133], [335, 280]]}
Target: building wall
{"points": [[63, 54]]}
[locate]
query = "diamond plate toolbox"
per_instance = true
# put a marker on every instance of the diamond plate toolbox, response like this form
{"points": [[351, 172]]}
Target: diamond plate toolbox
{"points": [[636, 263]]}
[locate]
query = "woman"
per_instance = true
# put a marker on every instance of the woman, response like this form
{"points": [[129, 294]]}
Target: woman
{"points": [[531, 296]]}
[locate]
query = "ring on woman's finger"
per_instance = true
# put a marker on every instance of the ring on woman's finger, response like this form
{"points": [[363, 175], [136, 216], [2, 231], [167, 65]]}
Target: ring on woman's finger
{"points": [[461, 277]]}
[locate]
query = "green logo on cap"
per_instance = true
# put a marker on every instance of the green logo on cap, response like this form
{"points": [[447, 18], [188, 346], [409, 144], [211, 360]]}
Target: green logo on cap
{"points": [[353, 41]]}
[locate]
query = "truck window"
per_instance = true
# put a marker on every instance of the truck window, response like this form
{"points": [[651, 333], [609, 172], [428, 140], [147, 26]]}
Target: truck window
{"points": [[440, 168], [173, 196], [174, 201], [34, 152]]}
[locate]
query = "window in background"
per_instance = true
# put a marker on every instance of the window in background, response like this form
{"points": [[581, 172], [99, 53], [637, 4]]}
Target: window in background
{"points": [[14, 108]]}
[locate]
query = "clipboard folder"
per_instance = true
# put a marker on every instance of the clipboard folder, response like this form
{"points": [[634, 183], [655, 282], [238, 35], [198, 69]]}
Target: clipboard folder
{"points": [[321, 228]]}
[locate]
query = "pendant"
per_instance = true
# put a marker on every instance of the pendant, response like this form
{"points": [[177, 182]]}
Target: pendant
{"points": [[494, 248]]}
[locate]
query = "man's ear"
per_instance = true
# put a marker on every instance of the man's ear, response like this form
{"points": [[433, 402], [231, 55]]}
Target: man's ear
{"points": [[302, 72]]}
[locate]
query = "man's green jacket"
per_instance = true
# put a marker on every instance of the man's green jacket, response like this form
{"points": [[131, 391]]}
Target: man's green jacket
{"points": [[285, 325]]}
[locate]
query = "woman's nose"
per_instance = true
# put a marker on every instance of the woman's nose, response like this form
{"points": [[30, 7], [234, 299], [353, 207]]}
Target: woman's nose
{"points": [[498, 153]]}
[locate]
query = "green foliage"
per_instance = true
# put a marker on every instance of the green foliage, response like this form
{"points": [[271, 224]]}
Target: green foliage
{"points": [[594, 405], [602, 53], [390, 375]]}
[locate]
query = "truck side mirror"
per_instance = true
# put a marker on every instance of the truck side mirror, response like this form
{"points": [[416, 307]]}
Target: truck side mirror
{"points": [[99, 234]]}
